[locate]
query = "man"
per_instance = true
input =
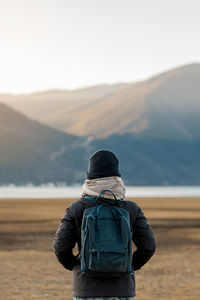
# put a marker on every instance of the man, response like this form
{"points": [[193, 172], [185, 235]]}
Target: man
{"points": [[103, 174]]}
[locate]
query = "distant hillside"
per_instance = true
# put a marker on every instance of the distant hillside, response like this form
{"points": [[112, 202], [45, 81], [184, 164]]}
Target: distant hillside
{"points": [[152, 126], [31, 152], [152, 161], [164, 106], [43, 106]]}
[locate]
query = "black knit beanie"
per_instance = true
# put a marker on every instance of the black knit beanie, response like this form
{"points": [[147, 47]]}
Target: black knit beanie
{"points": [[103, 163]]}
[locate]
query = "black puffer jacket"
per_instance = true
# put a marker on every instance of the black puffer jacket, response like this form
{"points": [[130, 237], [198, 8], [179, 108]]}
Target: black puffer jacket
{"points": [[69, 233]]}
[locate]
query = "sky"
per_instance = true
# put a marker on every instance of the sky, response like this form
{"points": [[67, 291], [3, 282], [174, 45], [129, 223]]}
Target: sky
{"points": [[69, 44]]}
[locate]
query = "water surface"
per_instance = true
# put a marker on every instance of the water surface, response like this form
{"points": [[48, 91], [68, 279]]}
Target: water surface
{"points": [[52, 191]]}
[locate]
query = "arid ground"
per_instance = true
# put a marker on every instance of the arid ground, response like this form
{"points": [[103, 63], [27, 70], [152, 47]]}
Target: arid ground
{"points": [[29, 269]]}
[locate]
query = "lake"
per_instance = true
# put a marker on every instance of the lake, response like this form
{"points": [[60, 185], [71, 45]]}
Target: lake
{"points": [[51, 191]]}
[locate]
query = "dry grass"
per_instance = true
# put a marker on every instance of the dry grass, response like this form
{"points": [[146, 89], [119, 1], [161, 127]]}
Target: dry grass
{"points": [[29, 269]]}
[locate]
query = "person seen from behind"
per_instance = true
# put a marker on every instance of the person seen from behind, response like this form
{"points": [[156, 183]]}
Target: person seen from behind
{"points": [[103, 192]]}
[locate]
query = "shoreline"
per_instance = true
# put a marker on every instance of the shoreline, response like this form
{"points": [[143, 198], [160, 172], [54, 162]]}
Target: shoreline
{"points": [[76, 191]]}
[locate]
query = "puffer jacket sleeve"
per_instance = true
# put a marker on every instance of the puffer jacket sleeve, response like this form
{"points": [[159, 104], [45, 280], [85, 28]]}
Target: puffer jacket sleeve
{"points": [[143, 238], [65, 240]]}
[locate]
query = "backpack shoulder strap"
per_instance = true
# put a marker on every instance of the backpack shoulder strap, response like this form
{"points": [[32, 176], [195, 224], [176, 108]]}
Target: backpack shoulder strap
{"points": [[104, 191], [92, 200]]}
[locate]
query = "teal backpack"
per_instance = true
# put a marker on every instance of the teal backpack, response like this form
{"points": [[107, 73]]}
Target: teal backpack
{"points": [[106, 241]]}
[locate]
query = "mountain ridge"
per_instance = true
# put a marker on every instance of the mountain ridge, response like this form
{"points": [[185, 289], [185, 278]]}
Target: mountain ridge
{"points": [[132, 108], [152, 126]]}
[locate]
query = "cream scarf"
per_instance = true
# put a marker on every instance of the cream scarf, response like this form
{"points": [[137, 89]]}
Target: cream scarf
{"points": [[94, 186]]}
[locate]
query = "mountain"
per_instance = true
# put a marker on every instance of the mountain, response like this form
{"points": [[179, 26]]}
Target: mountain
{"points": [[164, 106], [152, 126], [44, 106], [32, 152], [145, 161]]}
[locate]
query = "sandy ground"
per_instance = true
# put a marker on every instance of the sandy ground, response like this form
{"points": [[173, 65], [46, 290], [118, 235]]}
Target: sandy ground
{"points": [[29, 269]]}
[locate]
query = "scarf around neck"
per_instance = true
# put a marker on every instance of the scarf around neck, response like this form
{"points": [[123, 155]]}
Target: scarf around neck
{"points": [[93, 187]]}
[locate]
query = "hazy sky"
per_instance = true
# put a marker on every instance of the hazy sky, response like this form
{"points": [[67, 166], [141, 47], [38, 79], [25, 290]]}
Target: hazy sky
{"points": [[68, 44]]}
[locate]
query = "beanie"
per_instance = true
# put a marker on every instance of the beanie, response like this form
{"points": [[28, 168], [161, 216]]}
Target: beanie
{"points": [[103, 163]]}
